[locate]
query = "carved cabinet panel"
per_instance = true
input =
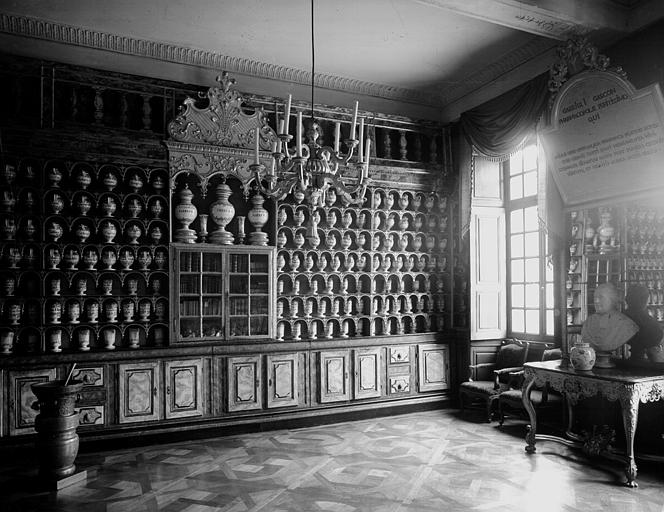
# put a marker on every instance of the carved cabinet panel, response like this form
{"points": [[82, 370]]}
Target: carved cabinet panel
{"points": [[283, 380], [433, 367], [140, 392], [334, 374], [21, 398], [184, 388], [244, 383], [368, 375]]}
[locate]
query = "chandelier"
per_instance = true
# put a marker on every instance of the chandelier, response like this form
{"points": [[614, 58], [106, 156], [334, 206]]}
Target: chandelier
{"points": [[309, 169]]}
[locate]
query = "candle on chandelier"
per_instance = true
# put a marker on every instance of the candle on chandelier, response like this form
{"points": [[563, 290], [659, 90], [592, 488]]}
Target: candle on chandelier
{"points": [[337, 136], [276, 115], [281, 130], [365, 168], [298, 134], [273, 164], [287, 114], [352, 130], [256, 155], [360, 153]]}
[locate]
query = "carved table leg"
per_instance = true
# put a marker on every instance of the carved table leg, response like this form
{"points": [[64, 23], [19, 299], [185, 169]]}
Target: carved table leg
{"points": [[630, 413], [528, 405]]}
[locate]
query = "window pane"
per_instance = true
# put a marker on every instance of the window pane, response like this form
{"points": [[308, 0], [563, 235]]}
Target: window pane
{"points": [[515, 187], [517, 274], [517, 296], [530, 157], [549, 322], [549, 295], [516, 221], [532, 321], [531, 223], [531, 242], [516, 246], [529, 184], [517, 320], [532, 270], [532, 295], [516, 163]]}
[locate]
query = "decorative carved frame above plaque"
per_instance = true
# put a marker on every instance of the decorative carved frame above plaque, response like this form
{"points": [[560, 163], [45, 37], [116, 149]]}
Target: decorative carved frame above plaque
{"points": [[219, 138]]}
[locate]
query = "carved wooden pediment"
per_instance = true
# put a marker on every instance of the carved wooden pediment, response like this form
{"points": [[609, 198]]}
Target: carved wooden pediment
{"points": [[219, 138]]}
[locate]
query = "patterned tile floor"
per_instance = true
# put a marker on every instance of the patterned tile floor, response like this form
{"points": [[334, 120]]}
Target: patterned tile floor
{"points": [[419, 462]]}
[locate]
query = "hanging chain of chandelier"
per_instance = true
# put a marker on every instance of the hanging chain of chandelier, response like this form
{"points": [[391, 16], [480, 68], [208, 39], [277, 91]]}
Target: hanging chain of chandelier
{"points": [[309, 169]]}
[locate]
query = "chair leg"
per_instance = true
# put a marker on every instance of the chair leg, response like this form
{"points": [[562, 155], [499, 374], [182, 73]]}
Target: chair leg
{"points": [[501, 413], [489, 410]]}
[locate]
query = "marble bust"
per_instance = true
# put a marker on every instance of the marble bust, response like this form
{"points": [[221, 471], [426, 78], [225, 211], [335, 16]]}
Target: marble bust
{"points": [[607, 329]]}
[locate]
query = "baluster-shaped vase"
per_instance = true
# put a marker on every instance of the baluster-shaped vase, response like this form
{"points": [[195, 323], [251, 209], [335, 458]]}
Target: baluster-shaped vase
{"points": [[222, 212], [185, 213]]}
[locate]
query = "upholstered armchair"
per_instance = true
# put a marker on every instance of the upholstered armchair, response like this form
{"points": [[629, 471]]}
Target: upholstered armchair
{"points": [[510, 401], [487, 380]]}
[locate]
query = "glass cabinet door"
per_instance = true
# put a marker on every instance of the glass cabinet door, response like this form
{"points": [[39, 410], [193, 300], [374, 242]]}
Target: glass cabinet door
{"points": [[249, 295], [222, 292], [189, 275]]}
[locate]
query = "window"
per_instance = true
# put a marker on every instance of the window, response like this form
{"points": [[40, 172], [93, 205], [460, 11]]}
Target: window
{"points": [[530, 293]]}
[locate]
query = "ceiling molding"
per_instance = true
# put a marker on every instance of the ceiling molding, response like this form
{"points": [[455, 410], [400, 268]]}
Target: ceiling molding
{"points": [[25, 26], [535, 48], [549, 18]]}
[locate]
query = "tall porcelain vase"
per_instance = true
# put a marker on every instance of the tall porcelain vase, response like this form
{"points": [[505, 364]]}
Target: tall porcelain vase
{"points": [[222, 212], [258, 216], [185, 213]]}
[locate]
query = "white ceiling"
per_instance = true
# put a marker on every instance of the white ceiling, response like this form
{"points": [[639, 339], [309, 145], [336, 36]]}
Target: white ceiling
{"points": [[436, 58]]}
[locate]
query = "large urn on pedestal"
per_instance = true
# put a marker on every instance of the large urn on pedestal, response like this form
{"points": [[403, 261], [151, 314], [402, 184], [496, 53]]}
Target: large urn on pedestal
{"points": [[57, 440], [185, 213], [258, 216], [222, 212]]}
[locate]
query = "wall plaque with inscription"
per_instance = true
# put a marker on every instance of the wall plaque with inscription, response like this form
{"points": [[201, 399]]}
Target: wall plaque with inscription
{"points": [[605, 138]]}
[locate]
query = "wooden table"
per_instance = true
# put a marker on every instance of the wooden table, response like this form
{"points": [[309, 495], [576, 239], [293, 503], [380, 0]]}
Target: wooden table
{"points": [[629, 386]]}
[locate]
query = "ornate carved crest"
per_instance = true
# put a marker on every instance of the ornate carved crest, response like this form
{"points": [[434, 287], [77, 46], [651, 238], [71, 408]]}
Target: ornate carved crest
{"points": [[219, 138], [577, 55], [223, 122]]}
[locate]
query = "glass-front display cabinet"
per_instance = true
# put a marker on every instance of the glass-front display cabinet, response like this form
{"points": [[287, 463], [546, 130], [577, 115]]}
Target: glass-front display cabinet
{"points": [[222, 292]]}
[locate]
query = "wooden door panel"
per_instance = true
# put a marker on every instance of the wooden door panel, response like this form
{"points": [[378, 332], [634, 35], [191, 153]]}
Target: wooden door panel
{"points": [[433, 363], [140, 392], [283, 380], [184, 382], [334, 376], [244, 385]]}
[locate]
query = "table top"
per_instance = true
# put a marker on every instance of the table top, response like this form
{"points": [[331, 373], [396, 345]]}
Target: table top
{"points": [[624, 372]]}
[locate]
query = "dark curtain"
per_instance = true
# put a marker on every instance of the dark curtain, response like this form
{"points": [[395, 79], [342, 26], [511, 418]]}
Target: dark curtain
{"points": [[498, 127]]}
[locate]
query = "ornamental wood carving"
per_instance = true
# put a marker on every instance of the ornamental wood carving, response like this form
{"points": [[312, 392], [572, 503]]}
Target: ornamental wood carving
{"points": [[219, 138]]}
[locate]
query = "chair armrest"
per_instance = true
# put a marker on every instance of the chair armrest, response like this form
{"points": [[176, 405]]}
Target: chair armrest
{"points": [[501, 372], [473, 368], [516, 379]]}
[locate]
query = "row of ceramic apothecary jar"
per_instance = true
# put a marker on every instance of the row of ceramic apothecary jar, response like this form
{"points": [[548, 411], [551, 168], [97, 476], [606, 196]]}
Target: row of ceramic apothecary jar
{"points": [[57, 229], [360, 241], [90, 257], [76, 310], [363, 219], [315, 328], [87, 204], [359, 283], [83, 176], [82, 338], [367, 305], [301, 261], [386, 200], [84, 283]]}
